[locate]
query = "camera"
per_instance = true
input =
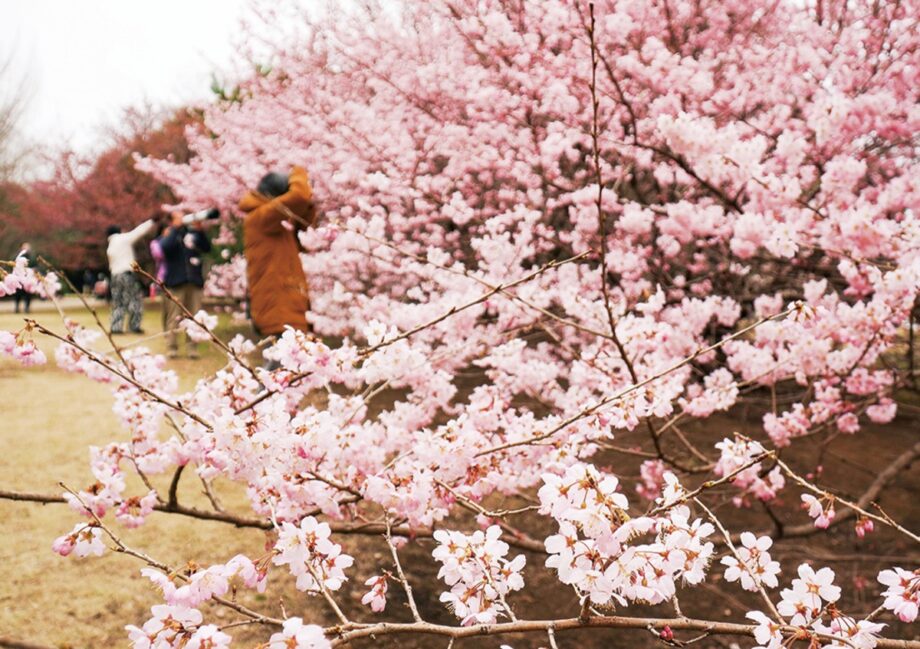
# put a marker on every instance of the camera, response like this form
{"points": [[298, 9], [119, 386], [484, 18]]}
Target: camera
{"points": [[204, 215]]}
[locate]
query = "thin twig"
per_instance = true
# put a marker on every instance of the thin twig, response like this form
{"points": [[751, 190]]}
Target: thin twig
{"points": [[402, 576], [734, 551], [866, 499], [128, 379]]}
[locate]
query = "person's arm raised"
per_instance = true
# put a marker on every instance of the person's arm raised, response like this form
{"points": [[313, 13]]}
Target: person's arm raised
{"points": [[300, 192], [141, 231]]}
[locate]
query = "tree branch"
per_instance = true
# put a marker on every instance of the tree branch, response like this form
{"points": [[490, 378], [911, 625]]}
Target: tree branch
{"points": [[344, 635]]}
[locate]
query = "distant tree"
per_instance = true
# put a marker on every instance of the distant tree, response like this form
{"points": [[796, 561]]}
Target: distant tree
{"points": [[13, 100], [66, 214], [12, 196]]}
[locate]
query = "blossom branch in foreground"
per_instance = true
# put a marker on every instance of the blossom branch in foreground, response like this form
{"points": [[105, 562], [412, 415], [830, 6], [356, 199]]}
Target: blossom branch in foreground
{"points": [[121, 547], [867, 498], [116, 372]]}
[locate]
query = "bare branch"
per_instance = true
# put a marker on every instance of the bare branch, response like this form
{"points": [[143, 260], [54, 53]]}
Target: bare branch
{"points": [[343, 635], [402, 576]]}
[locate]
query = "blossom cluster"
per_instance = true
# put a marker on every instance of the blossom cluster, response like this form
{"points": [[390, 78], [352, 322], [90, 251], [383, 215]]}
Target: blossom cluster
{"points": [[199, 326], [478, 573], [176, 626], [297, 635], [22, 348], [597, 549], [809, 606], [819, 509], [903, 594], [23, 278], [753, 565], [317, 563], [737, 458], [84, 540], [228, 280], [200, 586]]}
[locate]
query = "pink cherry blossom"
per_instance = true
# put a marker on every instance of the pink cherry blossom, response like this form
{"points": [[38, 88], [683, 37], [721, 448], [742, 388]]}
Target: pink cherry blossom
{"points": [[767, 632], [753, 566], [864, 526], [84, 540], [208, 636], [376, 597], [805, 600], [478, 573], [861, 634], [199, 326], [133, 511], [903, 594], [820, 509], [311, 556], [22, 348], [170, 626], [652, 472]]}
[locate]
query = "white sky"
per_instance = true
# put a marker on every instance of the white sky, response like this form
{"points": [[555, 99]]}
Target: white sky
{"points": [[86, 60]]}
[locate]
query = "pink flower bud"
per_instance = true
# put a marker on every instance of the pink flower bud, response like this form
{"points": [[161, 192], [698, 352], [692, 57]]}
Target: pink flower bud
{"points": [[63, 545]]}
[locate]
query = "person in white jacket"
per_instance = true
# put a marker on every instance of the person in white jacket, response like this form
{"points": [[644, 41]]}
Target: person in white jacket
{"points": [[126, 288]]}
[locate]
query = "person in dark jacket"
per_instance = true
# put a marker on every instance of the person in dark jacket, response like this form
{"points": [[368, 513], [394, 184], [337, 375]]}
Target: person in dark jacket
{"points": [[182, 248]]}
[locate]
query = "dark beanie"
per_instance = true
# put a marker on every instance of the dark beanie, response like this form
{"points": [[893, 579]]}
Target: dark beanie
{"points": [[112, 229], [273, 184]]}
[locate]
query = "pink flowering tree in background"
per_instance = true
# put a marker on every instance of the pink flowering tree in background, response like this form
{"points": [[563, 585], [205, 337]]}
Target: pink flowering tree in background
{"points": [[548, 227]]}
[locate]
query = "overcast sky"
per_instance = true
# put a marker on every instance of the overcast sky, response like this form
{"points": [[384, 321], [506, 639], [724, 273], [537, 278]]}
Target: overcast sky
{"points": [[86, 60]]}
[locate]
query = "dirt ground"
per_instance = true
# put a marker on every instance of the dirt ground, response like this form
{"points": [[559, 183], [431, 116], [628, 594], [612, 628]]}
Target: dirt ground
{"points": [[50, 418]]}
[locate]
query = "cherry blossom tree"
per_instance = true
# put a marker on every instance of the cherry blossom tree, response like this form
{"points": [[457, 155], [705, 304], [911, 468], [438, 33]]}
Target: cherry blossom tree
{"points": [[622, 218]]}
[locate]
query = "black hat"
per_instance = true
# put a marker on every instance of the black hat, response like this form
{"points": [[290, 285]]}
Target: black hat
{"points": [[112, 229], [273, 184]]}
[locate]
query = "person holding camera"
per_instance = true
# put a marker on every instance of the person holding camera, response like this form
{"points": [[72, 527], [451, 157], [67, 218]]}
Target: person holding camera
{"points": [[182, 244], [126, 287], [276, 211]]}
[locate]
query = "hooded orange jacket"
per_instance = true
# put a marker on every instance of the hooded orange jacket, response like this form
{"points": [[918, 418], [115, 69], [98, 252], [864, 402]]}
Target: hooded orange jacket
{"points": [[278, 292]]}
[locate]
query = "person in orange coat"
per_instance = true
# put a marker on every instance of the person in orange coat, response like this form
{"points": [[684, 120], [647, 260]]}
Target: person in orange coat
{"points": [[275, 212]]}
